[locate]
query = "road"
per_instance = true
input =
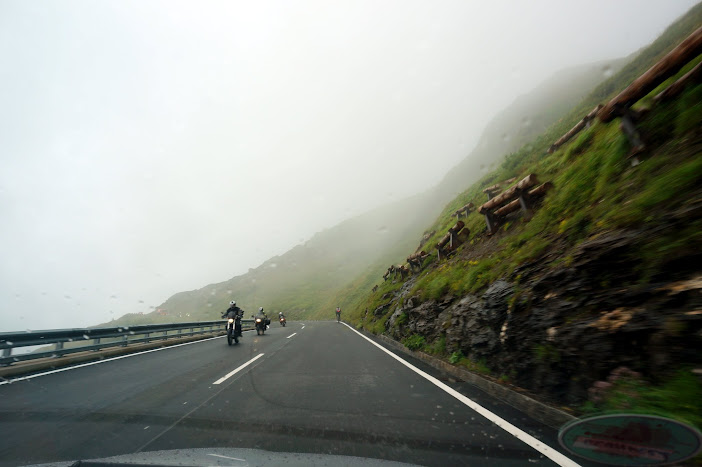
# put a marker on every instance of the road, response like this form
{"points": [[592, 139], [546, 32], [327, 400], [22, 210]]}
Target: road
{"points": [[318, 387]]}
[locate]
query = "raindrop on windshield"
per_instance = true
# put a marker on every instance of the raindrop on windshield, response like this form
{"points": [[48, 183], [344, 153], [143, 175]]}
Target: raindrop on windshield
{"points": [[382, 230], [113, 296], [273, 265], [607, 71], [9, 343], [86, 337]]}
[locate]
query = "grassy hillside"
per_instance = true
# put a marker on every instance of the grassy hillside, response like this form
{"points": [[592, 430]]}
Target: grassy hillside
{"points": [[340, 265], [598, 288], [527, 118], [306, 281], [596, 190]]}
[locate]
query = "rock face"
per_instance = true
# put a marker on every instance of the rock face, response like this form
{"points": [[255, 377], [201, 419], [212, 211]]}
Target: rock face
{"points": [[561, 330]]}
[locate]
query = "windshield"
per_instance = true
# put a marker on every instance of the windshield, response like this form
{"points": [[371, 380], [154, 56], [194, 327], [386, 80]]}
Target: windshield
{"points": [[480, 221]]}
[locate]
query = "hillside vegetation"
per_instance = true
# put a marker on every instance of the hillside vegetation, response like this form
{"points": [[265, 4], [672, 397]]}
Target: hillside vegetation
{"points": [[307, 280], [596, 189], [598, 288]]}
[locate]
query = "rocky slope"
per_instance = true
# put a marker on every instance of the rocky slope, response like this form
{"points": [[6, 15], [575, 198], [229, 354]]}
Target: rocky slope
{"points": [[558, 331]]}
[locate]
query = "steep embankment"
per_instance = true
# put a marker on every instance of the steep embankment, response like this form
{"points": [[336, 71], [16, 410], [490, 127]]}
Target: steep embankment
{"points": [[593, 302], [307, 280]]}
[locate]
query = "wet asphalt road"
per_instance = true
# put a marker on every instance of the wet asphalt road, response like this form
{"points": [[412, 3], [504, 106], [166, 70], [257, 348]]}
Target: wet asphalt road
{"points": [[315, 387]]}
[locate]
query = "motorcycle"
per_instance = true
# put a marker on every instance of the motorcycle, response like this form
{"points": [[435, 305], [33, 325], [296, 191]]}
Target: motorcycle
{"points": [[233, 330], [260, 323], [282, 321]]}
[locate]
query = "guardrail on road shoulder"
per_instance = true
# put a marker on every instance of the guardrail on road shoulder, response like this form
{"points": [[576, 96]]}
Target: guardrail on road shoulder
{"points": [[116, 336]]}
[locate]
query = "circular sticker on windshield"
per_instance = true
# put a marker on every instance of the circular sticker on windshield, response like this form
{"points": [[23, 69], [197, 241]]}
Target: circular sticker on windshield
{"points": [[631, 439]]}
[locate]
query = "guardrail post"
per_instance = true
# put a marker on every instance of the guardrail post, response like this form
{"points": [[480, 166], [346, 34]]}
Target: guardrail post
{"points": [[59, 346], [165, 335], [96, 341], [146, 335], [7, 352], [125, 342]]}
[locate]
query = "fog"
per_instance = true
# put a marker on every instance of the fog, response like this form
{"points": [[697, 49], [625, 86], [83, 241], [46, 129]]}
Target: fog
{"points": [[152, 147]]}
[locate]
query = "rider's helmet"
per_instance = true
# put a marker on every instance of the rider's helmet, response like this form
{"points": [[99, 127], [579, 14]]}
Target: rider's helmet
{"points": [[232, 302], [260, 308]]}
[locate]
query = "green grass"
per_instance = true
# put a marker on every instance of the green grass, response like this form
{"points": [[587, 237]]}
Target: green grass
{"points": [[438, 347], [456, 357], [414, 342], [679, 397], [479, 367], [596, 189]]}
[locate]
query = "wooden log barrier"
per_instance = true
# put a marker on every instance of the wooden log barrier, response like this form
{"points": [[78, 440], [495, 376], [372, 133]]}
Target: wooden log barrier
{"points": [[507, 195], [444, 241], [692, 76], [465, 210], [450, 239], [415, 259], [584, 123], [421, 255], [516, 205], [666, 67], [491, 191]]}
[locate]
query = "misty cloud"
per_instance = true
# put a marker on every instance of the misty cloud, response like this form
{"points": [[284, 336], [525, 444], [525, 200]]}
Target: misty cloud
{"points": [[154, 147]]}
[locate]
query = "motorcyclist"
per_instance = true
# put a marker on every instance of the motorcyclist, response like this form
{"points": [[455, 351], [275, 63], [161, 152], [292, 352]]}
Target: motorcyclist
{"points": [[338, 314], [262, 314], [237, 313], [280, 315]]}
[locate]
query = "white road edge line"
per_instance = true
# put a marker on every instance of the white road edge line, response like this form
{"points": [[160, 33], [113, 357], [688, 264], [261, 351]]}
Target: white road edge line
{"points": [[232, 373], [291, 335], [59, 370], [523, 436]]}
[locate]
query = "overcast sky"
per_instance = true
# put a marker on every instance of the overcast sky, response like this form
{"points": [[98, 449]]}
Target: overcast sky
{"points": [[151, 147]]}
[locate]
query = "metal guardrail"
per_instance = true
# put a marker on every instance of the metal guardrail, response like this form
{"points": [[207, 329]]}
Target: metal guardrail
{"points": [[119, 336]]}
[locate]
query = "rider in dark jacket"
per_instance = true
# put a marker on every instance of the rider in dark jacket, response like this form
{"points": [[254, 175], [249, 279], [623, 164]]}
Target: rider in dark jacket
{"points": [[237, 313], [262, 314]]}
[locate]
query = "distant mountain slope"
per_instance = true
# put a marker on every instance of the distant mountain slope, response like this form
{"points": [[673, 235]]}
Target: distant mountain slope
{"points": [[305, 280], [526, 118]]}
